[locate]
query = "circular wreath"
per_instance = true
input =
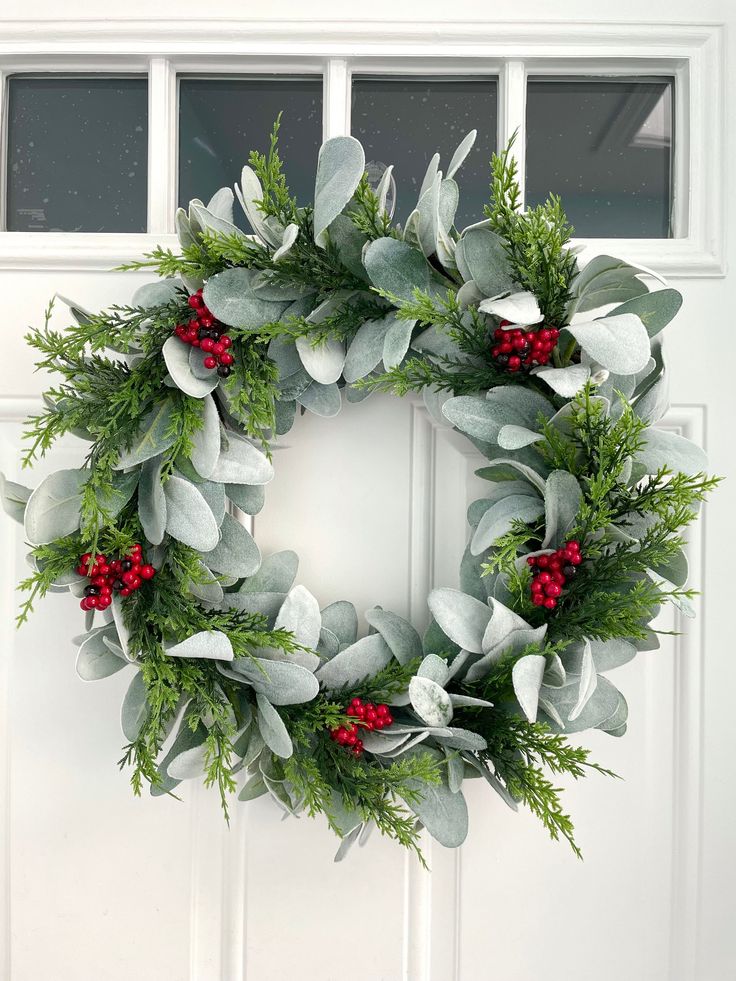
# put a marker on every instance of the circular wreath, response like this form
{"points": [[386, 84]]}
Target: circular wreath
{"points": [[556, 374]]}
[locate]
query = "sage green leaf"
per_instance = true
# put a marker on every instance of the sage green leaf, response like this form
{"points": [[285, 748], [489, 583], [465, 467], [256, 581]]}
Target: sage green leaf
{"points": [[152, 501], [603, 704], [588, 682], [604, 280], [654, 403], [401, 637], [500, 518], [567, 382], [207, 587], [667, 449], [160, 291], [209, 221], [114, 499], [188, 517], [282, 682], [443, 813], [176, 356], [267, 604], [620, 343], [366, 349], [53, 510], [206, 441], [349, 242], [232, 296], [655, 309], [273, 730], [323, 361], [214, 495], [340, 166], [13, 498], [253, 788], [322, 400], [435, 668], [462, 618], [156, 435], [459, 739], [121, 626], [514, 437], [185, 741], [241, 463], [221, 204], [396, 341], [461, 153], [291, 233], [135, 708], [485, 417], [396, 268], [526, 675], [430, 701], [300, 614], [236, 553], [342, 619], [95, 660], [208, 644], [519, 308], [276, 574], [249, 193], [495, 469], [481, 257], [189, 764], [361, 660], [562, 500], [250, 500]]}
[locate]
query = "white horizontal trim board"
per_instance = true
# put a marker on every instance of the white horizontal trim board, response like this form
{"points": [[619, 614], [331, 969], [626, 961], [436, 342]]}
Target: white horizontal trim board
{"points": [[693, 53]]}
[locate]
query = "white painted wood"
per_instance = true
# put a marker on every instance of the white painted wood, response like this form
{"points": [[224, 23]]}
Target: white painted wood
{"points": [[95, 884]]}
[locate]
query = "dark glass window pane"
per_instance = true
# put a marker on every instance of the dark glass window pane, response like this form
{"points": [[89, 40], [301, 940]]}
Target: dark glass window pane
{"points": [[403, 121], [222, 119], [77, 154], [605, 146]]}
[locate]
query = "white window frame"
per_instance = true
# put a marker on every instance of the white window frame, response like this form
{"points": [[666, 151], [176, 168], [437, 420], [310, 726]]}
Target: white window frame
{"points": [[692, 54]]}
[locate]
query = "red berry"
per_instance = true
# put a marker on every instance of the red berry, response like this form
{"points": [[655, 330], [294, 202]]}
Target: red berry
{"points": [[538, 599], [226, 358], [210, 362], [552, 589], [543, 577], [357, 702], [218, 348], [536, 586], [226, 341], [206, 344], [206, 319], [195, 301], [550, 603], [147, 572]]}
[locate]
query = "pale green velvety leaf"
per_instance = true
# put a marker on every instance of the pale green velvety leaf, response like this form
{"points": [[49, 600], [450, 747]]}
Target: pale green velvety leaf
{"points": [[401, 637], [324, 362], [233, 297], [342, 619], [527, 676], [206, 441], [461, 153], [462, 618], [430, 701], [276, 574], [95, 660], [396, 267], [267, 604], [481, 256], [620, 343], [241, 463], [588, 682], [562, 500], [214, 494], [188, 517], [604, 280], [605, 701], [176, 356], [435, 668], [249, 499], [13, 498], [667, 449], [397, 340], [565, 381], [514, 437], [361, 660], [236, 553], [152, 501], [156, 435], [366, 349], [160, 291], [135, 708], [300, 614], [249, 192], [53, 509], [322, 400], [443, 813], [272, 728], [282, 682], [349, 241], [500, 517], [340, 166], [208, 644], [655, 309]]}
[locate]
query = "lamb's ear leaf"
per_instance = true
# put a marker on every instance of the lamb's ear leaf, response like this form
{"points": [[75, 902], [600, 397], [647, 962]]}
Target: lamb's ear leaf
{"points": [[562, 500], [241, 463], [135, 708], [500, 518], [188, 517], [340, 166], [481, 257], [53, 510], [272, 728], [13, 498], [527, 675], [655, 309], [250, 499], [236, 553], [206, 441], [357, 662], [462, 618], [401, 637], [443, 813], [396, 267], [207, 644], [176, 356], [152, 501], [156, 434], [430, 701]]}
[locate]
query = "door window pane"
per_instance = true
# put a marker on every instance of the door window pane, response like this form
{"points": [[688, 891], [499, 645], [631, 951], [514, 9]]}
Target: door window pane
{"points": [[404, 120], [77, 156], [605, 146], [222, 119]]}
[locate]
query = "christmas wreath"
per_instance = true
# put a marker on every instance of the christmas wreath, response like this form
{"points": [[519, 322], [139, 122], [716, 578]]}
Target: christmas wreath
{"points": [[555, 373]]}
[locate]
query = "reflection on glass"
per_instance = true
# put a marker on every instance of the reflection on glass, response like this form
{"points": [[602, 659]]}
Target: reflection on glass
{"points": [[403, 120], [77, 156], [605, 146], [222, 119]]}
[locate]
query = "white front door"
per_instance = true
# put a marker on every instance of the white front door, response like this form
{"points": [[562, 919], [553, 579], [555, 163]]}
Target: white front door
{"points": [[95, 883]]}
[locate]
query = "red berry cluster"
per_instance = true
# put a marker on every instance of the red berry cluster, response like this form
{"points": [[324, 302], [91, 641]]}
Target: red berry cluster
{"points": [[122, 576], [208, 334], [520, 350], [368, 716], [551, 572]]}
